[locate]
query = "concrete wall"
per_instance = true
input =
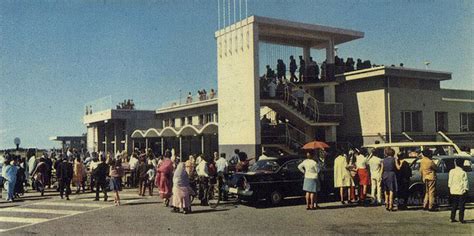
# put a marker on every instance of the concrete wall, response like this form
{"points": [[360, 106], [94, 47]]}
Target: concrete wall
{"points": [[239, 103]]}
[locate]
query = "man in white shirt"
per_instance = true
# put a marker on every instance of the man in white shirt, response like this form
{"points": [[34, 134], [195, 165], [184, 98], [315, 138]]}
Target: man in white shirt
{"points": [[221, 165], [458, 186], [203, 174], [133, 173], [375, 165]]}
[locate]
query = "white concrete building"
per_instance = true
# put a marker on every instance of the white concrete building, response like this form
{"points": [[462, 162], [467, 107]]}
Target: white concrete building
{"points": [[357, 107]]}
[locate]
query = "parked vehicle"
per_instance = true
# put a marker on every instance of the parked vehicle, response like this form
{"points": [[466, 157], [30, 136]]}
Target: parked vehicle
{"points": [[272, 179], [445, 164]]}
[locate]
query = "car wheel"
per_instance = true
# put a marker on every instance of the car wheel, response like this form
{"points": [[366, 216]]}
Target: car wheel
{"points": [[416, 196], [275, 198]]}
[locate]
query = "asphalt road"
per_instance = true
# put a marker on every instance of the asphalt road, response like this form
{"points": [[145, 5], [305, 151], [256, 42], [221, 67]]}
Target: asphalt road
{"points": [[50, 215]]}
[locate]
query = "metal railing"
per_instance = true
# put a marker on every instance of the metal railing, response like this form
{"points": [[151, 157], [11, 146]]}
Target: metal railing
{"points": [[285, 134], [188, 100]]}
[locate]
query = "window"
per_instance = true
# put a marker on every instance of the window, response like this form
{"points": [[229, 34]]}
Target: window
{"points": [[466, 122], [172, 123], [209, 117], [441, 121], [190, 120], [201, 119], [412, 121], [183, 121]]}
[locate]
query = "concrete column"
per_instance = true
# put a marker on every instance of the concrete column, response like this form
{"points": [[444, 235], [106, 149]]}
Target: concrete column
{"points": [[330, 70], [306, 54], [330, 133], [105, 137], [180, 146], [202, 143], [146, 144], [162, 146], [330, 93], [115, 137], [133, 146]]}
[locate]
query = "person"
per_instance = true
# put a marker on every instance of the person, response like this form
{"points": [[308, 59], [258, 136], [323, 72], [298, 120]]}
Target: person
{"points": [[64, 174], [31, 167], [189, 99], [342, 175], [364, 179], [203, 175], [49, 163], [302, 70], [116, 173], [100, 175], [270, 73], [389, 178], [458, 187], [142, 169], [272, 86], [292, 69], [181, 189], [39, 174], [151, 177], [310, 168], [428, 176], [212, 94], [164, 177], [281, 70], [133, 173], [20, 177], [79, 173], [9, 173], [234, 159], [243, 165], [375, 166], [94, 163], [403, 179], [221, 165]]}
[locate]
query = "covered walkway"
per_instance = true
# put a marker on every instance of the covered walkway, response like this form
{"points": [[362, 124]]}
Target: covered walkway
{"points": [[186, 140]]}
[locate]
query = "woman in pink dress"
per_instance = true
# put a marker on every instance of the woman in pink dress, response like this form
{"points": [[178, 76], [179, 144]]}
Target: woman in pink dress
{"points": [[164, 178], [181, 189]]}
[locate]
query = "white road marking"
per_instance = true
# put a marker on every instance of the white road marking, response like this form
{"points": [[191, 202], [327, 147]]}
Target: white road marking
{"points": [[35, 210], [22, 220], [71, 204]]}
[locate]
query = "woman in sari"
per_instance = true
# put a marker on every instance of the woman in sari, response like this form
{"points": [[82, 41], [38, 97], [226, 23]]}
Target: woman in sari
{"points": [[163, 178], [39, 175], [181, 189]]}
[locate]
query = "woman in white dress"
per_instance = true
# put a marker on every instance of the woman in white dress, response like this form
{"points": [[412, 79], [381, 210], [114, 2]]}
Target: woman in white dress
{"points": [[342, 176]]}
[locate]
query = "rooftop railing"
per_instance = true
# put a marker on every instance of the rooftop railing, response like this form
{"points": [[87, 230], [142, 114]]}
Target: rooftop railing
{"points": [[187, 100]]}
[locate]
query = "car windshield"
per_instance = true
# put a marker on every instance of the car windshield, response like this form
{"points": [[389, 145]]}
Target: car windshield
{"points": [[264, 165]]}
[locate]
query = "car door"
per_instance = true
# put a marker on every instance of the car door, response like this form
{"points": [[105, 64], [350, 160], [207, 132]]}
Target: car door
{"points": [[292, 178], [442, 175]]}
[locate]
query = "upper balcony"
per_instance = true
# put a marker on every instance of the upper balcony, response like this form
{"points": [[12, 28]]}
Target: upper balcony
{"points": [[187, 103]]}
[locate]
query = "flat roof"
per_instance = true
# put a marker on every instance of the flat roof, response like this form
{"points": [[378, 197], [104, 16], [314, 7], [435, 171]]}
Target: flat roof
{"points": [[395, 71], [295, 33], [121, 114]]}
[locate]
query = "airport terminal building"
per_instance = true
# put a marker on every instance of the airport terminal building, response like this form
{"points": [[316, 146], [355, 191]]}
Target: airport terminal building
{"points": [[342, 107]]}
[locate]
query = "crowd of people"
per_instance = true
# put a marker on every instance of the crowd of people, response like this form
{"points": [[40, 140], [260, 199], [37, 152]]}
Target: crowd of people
{"points": [[202, 95], [388, 176], [180, 178]]}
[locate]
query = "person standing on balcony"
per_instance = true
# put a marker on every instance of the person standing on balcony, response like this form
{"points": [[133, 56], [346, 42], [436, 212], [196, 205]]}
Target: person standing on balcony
{"points": [[302, 69], [428, 175], [293, 68], [189, 99], [212, 94], [281, 70], [310, 168]]}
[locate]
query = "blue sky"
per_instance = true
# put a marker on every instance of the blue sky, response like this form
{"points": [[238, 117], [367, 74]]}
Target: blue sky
{"points": [[55, 56]]}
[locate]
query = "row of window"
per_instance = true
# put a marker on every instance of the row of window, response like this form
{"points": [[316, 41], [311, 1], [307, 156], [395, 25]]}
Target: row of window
{"points": [[412, 121], [202, 120]]}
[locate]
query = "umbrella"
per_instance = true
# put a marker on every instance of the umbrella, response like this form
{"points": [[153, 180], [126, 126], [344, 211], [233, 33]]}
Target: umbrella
{"points": [[315, 145]]}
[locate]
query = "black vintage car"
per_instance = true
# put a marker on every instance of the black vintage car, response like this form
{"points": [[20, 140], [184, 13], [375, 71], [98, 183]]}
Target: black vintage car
{"points": [[270, 178]]}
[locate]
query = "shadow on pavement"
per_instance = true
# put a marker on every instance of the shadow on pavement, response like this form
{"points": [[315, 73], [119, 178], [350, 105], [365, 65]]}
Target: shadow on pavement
{"points": [[141, 203], [208, 210]]}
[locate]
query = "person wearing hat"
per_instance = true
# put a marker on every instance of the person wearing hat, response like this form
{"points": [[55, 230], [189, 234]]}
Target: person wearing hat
{"points": [[428, 176]]}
